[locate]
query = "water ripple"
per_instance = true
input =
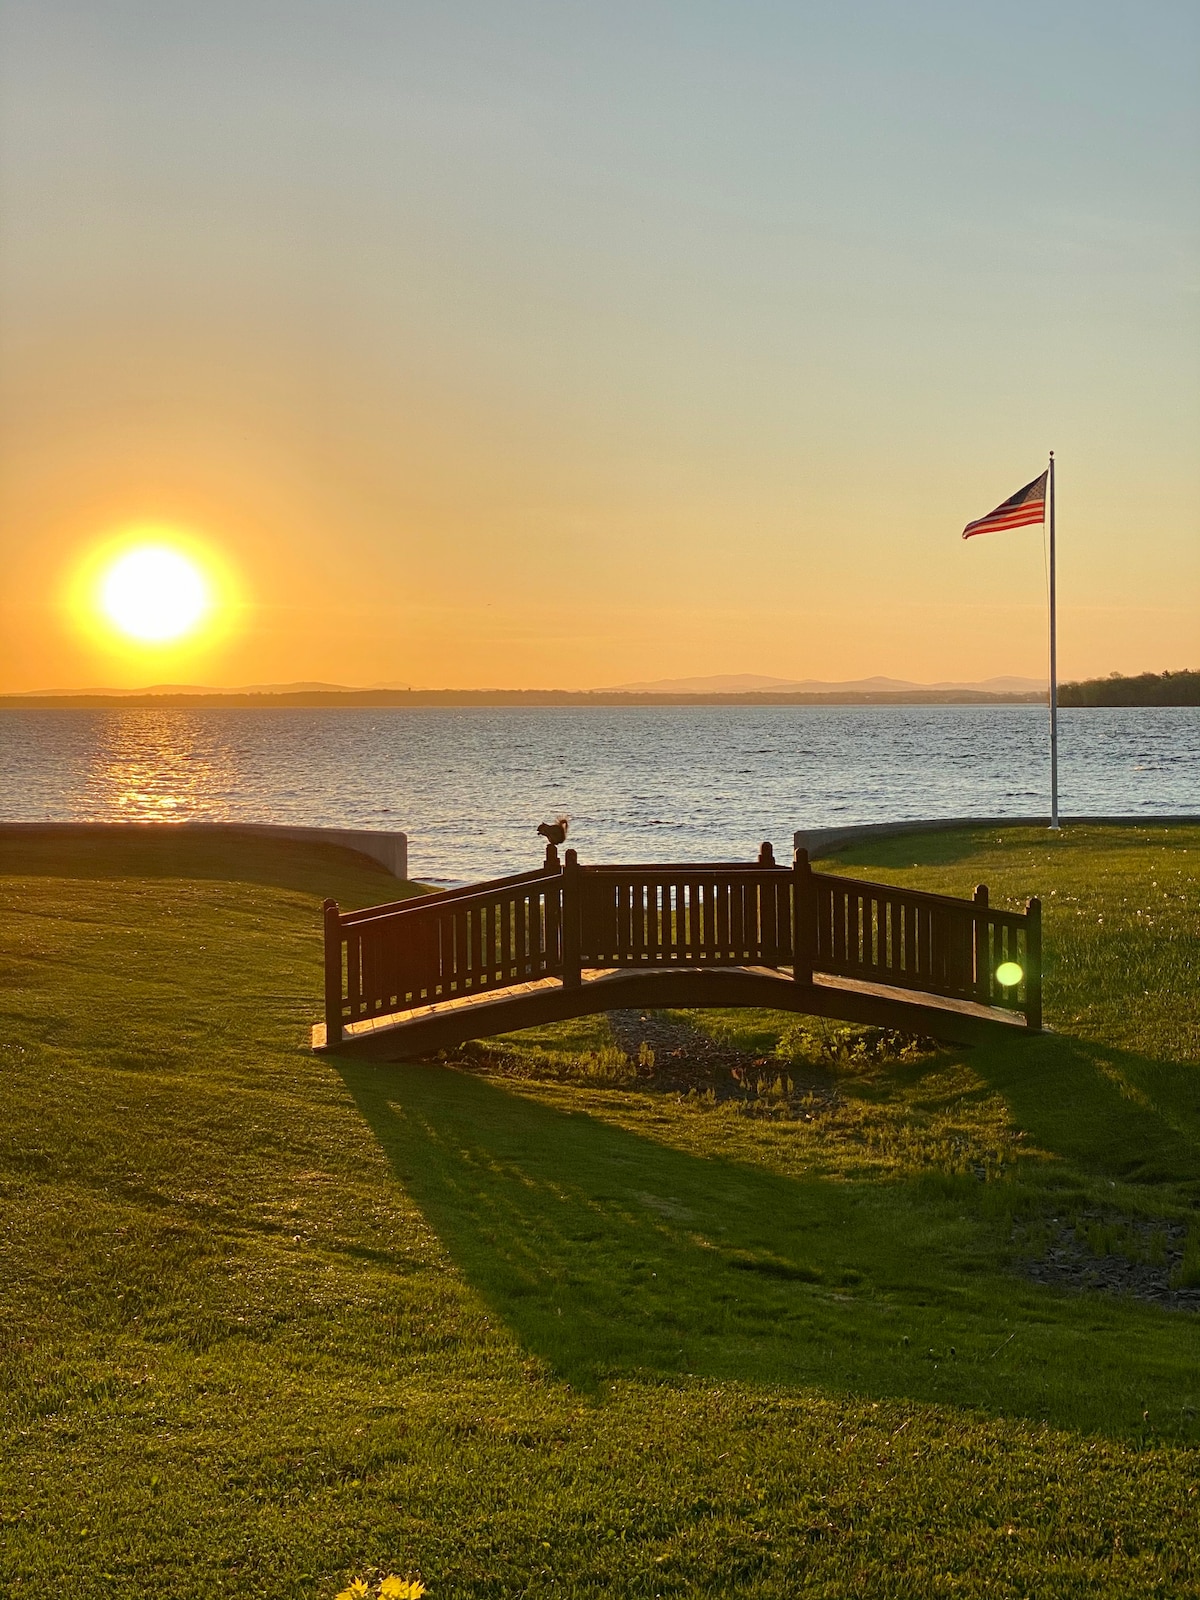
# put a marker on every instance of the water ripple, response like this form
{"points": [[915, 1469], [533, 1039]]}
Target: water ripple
{"points": [[469, 785]]}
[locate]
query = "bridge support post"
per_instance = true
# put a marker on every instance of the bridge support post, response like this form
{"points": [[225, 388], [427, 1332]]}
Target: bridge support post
{"points": [[333, 974], [1033, 965], [572, 929], [982, 954], [804, 918]]}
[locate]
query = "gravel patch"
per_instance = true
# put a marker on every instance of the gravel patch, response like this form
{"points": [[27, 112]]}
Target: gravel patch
{"points": [[685, 1058], [1142, 1270]]}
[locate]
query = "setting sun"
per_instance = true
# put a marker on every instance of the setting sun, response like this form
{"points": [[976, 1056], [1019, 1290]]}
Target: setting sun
{"points": [[155, 594], [154, 591]]}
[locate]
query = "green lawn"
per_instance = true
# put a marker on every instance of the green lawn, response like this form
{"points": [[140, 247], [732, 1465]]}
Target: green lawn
{"points": [[268, 1321]]}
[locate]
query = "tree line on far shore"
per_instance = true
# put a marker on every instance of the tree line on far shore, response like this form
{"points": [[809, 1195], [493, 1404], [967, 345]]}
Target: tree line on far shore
{"points": [[1146, 689]]}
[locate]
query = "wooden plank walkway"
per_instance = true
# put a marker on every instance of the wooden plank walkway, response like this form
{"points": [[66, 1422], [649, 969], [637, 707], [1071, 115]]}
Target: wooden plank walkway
{"points": [[449, 1023]]}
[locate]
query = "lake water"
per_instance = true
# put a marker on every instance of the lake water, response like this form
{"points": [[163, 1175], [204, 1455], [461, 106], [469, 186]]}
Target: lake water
{"points": [[655, 783]]}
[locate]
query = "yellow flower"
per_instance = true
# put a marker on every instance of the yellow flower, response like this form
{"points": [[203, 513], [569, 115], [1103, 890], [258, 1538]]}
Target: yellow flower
{"points": [[357, 1590], [394, 1588]]}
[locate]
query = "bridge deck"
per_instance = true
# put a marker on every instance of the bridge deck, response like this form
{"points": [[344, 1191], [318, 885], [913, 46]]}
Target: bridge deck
{"points": [[448, 1023]]}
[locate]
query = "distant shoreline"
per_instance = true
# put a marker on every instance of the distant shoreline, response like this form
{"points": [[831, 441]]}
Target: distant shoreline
{"points": [[1147, 689], [425, 698]]}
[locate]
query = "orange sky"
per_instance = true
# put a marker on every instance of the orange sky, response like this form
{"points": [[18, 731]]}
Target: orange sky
{"points": [[512, 356]]}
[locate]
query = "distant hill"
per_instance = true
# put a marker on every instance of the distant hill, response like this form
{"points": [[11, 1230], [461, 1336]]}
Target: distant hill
{"points": [[753, 683], [1146, 689], [175, 691], [717, 683]]}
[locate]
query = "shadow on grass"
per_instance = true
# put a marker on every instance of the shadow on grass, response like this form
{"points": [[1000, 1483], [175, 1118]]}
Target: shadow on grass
{"points": [[1116, 1114], [610, 1254]]}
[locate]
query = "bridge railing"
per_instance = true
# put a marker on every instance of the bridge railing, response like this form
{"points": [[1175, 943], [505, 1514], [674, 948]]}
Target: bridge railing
{"points": [[911, 939], [565, 918], [690, 915], [390, 959]]}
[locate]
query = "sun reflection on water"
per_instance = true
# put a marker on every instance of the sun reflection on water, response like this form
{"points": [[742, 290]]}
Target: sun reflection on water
{"points": [[156, 767]]}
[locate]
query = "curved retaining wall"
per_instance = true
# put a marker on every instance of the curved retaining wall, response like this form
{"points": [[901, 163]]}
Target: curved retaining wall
{"points": [[389, 849], [817, 840]]}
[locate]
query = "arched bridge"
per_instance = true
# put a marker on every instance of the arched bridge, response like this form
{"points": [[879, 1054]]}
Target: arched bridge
{"points": [[430, 972]]}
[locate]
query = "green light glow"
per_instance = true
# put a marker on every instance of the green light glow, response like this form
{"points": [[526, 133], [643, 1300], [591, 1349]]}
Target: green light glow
{"points": [[1008, 973]]}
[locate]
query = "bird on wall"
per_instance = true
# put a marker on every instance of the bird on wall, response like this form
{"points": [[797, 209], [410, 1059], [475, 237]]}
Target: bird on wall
{"points": [[554, 833]]}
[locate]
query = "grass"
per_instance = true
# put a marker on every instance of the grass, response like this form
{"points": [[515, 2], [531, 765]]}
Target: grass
{"points": [[269, 1322]]}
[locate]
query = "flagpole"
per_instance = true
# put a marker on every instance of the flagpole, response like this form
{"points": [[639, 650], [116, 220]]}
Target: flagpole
{"points": [[1054, 823]]}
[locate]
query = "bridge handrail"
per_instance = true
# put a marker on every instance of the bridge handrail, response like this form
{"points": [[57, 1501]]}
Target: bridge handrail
{"points": [[462, 891], [921, 896], [693, 869]]}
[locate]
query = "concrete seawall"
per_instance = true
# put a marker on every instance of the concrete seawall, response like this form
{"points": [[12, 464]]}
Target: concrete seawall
{"points": [[390, 850]]}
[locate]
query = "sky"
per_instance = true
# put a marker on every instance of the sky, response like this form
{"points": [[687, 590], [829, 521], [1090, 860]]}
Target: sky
{"points": [[562, 344]]}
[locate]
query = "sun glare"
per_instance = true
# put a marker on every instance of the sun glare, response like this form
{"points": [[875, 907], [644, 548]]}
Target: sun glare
{"points": [[154, 594]]}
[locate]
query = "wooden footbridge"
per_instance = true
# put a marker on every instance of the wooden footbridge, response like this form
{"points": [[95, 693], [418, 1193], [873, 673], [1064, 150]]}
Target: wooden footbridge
{"points": [[430, 972]]}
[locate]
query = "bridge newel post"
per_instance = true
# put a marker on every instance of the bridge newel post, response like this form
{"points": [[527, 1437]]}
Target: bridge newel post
{"points": [[980, 952], [804, 918], [572, 929], [1033, 965], [333, 974]]}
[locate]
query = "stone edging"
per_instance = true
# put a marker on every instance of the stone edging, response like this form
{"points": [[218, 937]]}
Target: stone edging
{"points": [[818, 840], [390, 850]]}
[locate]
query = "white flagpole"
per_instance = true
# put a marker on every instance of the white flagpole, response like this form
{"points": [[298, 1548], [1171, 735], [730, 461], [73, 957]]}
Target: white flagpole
{"points": [[1054, 823]]}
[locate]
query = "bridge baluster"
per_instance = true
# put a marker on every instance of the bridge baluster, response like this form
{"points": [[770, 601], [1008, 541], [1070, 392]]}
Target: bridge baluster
{"points": [[572, 928]]}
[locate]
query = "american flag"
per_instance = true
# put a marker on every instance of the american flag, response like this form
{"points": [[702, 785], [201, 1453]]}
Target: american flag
{"points": [[1026, 506]]}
